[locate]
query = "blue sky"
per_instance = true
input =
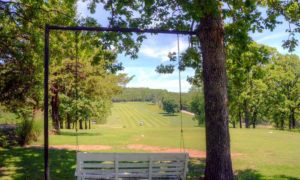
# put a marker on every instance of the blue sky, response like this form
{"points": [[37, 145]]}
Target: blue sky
{"points": [[155, 49]]}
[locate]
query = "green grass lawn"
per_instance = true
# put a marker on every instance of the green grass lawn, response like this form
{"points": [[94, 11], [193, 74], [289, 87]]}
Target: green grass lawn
{"points": [[262, 153], [7, 118]]}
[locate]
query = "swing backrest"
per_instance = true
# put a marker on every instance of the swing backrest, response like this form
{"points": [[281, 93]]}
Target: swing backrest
{"points": [[131, 165]]}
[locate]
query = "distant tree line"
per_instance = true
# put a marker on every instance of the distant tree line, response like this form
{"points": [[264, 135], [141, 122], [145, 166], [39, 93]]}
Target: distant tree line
{"points": [[192, 101], [140, 94], [263, 86], [156, 96]]}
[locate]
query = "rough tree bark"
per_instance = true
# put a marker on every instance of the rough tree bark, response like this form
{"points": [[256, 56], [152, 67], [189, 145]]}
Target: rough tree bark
{"points": [[55, 108], [246, 111], [290, 122], [292, 119], [218, 158], [282, 117], [254, 117], [68, 121], [80, 124], [61, 124], [85, 124], [240, 119]]}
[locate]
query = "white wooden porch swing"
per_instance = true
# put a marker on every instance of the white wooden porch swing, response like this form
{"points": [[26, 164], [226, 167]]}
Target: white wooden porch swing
{"points": [[91, 165]]}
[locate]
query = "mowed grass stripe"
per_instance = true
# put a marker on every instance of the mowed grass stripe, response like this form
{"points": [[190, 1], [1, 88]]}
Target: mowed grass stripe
{"points": [[133, 117], [126, 117], [151, 118], [130, 114], [136, 115], [168, 120], [115, 119], [120, 111], [155, 117], [158, 118], [146, 118]]}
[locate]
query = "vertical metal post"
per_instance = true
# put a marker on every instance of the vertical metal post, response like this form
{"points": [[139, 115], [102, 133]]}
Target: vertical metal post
{"points": [[46, 80]]}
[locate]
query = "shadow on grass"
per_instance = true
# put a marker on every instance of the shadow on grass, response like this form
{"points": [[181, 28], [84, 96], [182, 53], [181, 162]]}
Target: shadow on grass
{"points": [[168, 114], [64, 133], [286, 177], [250, 174], [247, 174], [196, 168], [27, 163]]}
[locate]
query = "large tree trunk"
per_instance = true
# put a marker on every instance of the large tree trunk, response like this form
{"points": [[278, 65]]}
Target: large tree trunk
{"points": [[218, 158], [55, 108], [240, 119], [246, 111], [293, 119], [277, 124], [290, 122], [80, 124], [61, 124], [85, 124], [68, 121], [282, 117], [254, 117]]}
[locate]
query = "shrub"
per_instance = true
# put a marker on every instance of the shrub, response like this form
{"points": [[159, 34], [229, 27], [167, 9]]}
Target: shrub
{"points": [[27, 131], [170, 106], [3, 141], [8, 137]]}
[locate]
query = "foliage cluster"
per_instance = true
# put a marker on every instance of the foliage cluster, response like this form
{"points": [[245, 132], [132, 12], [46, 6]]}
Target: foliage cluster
{"points": [[170, 106], [21, 69], [27, 131], [263, 87]]}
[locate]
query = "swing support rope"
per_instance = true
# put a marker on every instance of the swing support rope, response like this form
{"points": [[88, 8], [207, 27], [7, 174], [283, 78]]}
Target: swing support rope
{"points": [[76, 89], [182, 146]]}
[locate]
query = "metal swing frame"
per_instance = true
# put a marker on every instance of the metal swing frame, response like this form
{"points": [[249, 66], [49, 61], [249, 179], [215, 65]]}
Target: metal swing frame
{"points": [[48, 29]]}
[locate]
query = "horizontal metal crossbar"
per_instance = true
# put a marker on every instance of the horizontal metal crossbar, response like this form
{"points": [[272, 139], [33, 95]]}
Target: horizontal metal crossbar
{"points": [[120, 30]]}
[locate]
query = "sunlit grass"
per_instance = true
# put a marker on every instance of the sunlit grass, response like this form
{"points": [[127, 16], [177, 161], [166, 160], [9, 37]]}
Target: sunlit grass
{"points": [[261, 153]]}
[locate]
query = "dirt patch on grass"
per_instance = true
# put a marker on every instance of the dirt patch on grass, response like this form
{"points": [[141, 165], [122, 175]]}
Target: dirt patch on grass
{"points": [[73, 147], [187, 112], [192, 152], [1, 170]]}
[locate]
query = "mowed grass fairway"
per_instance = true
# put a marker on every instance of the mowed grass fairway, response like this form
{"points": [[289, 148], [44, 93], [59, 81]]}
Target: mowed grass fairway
{"points": [[257, 153], [123, 128]]}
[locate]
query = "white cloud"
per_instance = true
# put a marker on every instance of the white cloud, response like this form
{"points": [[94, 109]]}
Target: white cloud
{"points": [[170, 85], [272, 37], [147, 77], [160, 50]]}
